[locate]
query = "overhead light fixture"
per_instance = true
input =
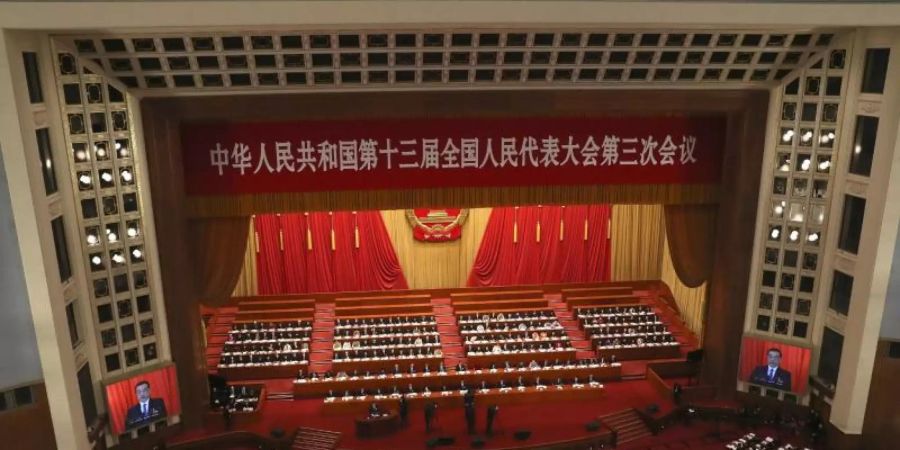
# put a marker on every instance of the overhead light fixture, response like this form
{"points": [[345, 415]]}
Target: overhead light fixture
{"points": [[787, 135], [813, 237], [804, 165], [118, 258], [824, 165], [85, 179], [775, 233], [857, 149], [131, 232], [779, 209], [91, 239], [794, 235], [100, 151], [96, 260], [126, 176], [137, 253], [106, 176], [806, 136]]}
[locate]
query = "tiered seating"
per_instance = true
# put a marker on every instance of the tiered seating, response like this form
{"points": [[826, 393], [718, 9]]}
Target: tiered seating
{"points": [[513, 336], [628, 331], [752, 441], [400, 381], [275, 308], [376, 306], [376, 344], [265, 349]]}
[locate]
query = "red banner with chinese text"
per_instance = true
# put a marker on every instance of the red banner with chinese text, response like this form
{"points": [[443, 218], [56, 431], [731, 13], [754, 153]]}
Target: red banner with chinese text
{"points": [[333, 155]]}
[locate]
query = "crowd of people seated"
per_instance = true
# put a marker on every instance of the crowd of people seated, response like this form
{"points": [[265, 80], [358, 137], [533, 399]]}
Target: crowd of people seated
{"points": [[243, 399], [260, 344], [513, 332], [401, 324], [486, 318], [612, 327], [397, 337], [425, 370], [752, 441]]}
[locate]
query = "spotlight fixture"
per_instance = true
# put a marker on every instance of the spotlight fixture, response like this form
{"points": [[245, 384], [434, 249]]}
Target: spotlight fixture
{"points": [[137, 253], [824, 165], [131, 232], [804, 165], [126, 176], [786, 137], [775, 233], [91, 239], [106, 176], [118, 258], [96, 260], [85, 180], [100, 151], [794, 235], [813, 237]]}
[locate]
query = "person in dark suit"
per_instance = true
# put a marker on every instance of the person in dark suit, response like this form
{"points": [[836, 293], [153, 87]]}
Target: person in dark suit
{"points": [[146, 410], [430, 409], [403, 409], [373, 410], [470, 417], [772, 375], [491, 414]]}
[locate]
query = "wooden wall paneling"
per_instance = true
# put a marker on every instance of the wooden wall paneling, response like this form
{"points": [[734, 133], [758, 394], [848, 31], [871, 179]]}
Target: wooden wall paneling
{"points": [[29, 427], [881, 429]]}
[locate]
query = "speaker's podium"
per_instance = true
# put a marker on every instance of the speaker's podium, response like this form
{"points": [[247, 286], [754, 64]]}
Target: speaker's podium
{"points": [[378, 425]]}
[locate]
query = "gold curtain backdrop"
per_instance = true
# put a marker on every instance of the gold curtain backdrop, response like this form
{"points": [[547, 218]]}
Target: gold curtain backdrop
{"points": [[637, 234], [246, 285], [691, 301], [432, 265]]}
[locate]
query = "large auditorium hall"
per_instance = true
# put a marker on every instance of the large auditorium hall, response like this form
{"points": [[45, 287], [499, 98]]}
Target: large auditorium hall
{"points": [[366, 225]]}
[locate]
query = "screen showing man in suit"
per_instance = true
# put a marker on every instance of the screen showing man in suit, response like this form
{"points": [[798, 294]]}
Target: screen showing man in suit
{"points": [[147, 409], [771, 374]]}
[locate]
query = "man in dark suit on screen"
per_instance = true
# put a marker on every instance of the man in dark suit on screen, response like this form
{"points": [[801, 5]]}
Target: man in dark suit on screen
{"points": [[146, 410], [772, 375]]}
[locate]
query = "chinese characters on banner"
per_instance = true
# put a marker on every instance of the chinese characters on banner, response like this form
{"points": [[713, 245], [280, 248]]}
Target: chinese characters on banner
{"points": [[222, 159]]}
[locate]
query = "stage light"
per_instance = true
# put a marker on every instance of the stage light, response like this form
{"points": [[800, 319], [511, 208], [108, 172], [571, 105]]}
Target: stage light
{"points": [[112, 237], [824, 165], [804, 165], [85, 179], [857, 149], [775, 233], [48, 163], [100, 151], [131, 231], [794, 235], [786, 137], [779, 209], [118, 258], [106, 176], [831, 135], [81, 155], [813, 237], [126, 176], [137, 253], [806, 136], [91, 239], [96, 260]]}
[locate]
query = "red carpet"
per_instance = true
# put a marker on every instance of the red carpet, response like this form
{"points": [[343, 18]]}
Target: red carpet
{"points": [[322, 345], [579, 340], [548, 421], [451, 342]]}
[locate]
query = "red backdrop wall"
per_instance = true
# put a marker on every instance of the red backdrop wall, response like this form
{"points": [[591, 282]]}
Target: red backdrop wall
{"points": [[793, 359], [511, 252], [120, 396], [296, 255]]}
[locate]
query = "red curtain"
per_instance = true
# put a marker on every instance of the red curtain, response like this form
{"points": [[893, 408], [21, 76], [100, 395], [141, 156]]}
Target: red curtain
{"points": [[320, 254], [793, 359], [543, 244], [269, 266], [121, 396]]}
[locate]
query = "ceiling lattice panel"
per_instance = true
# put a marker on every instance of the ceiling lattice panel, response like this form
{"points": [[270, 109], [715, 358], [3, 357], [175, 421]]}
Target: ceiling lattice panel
{"points": [[212, 62]]}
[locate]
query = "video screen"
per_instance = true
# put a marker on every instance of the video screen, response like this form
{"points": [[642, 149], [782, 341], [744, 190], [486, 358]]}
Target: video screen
{"points": [[774, 365], [142, 399]]}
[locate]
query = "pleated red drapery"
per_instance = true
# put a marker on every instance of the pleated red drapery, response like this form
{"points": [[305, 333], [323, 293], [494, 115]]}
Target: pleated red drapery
{"points": [[307, 262], [543, 244]]}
